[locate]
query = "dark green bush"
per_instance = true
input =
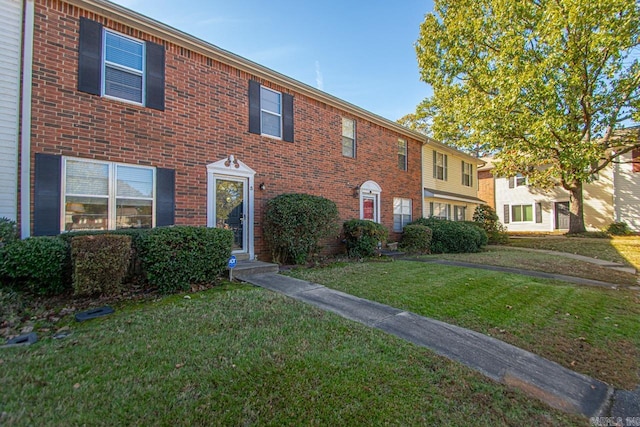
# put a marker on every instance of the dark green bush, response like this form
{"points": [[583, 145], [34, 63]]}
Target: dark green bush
{"points": [[8, 231], [100, 263], [40, 265], [174, 258], [452, 236], [295, 223], [488, 219], [362, 237], [619, 229], [416, 239]]}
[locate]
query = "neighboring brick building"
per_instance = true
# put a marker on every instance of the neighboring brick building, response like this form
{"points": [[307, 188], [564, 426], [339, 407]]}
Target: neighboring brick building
{"points": [[137, 124]]}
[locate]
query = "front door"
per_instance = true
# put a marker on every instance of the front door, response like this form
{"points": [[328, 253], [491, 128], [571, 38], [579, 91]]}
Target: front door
{"points": [[562, 215], [230, 209]]}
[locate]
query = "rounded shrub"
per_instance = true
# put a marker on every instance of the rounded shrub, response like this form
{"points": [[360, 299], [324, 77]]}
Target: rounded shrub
{"points": [[363, 236], [452, 236], [174, 258], [40, 265], [487, 218], [619, 229], [416, 238], [296, 223]]}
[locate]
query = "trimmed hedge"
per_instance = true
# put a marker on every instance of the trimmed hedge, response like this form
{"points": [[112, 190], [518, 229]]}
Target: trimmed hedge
{"points": [[619, 229], [40, 265], [453, 236], [416, 238], [295, 223], [362, 237], [100, 263], [8, 231], [174, 258]]}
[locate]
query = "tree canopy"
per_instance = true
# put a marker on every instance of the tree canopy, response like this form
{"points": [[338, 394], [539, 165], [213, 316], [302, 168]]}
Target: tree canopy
{"points": [[545, 84]]}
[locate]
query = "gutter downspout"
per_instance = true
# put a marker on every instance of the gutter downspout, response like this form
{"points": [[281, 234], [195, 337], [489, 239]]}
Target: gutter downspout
{"points": [[25, 126]]}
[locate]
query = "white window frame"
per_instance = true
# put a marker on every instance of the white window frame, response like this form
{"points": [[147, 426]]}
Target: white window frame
{"points": [[112, 191], [522, 206], [402, 154], [520, 181], [447, 208], [440, 164], [272, 113], [400, 205], [467, 174], [105, 64], [351, 138]]}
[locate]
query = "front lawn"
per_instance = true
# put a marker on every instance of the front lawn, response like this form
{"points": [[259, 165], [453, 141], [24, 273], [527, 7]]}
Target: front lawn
{"points": [[590, 330], [238, 355], [505, 257], [622, 249]]}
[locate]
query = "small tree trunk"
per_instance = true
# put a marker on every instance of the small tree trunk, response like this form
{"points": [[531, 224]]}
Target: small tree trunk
{"points": [[576, 209]]}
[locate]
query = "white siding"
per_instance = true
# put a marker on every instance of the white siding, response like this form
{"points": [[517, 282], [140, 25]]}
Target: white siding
{"points": [[11, 24], [627, 193]]}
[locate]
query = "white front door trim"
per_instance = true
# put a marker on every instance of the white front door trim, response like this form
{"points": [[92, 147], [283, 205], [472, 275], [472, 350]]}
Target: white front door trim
{"points": [[231, 167]]}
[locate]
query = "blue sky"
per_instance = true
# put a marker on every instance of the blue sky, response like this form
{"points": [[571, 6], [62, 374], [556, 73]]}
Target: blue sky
{"points": [[360, 51]]}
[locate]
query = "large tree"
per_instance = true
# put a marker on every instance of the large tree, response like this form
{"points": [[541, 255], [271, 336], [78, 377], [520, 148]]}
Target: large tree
{"points": [[546, 84]]}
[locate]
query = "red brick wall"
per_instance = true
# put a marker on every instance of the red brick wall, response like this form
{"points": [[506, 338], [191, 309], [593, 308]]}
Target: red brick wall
{"points": [[486, 188], [205, 120]]}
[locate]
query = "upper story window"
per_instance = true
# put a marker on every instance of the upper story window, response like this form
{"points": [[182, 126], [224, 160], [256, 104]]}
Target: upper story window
{"points": [[270, 112], [402, 154], [439, 166], [123, 67], [518, 181], [348, 137], [467, 174], [118, 66]]}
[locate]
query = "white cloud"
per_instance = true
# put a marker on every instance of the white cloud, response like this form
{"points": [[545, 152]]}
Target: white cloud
{"points": [[319, 78]]}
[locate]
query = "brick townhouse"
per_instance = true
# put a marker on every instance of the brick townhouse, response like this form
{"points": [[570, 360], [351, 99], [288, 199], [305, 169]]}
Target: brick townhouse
{"points": [[131, 123]]}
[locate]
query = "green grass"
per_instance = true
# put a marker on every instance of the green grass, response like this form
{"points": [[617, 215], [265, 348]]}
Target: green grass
{"points": [[622, 249], [238, 355], [507, 257], [590, 330]]}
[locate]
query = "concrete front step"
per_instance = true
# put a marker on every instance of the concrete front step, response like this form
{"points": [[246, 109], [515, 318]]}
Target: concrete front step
{"points": [[246, 268]]}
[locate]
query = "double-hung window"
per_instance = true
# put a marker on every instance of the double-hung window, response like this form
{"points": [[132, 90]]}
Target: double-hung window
{"points": [[401, 213], [106, 196], [270, 112], [467, 174], [439, 166], [522, 213], [402, 154], [348, 137], [459, 213], [123, 67], [440, 210], [120, 67]]}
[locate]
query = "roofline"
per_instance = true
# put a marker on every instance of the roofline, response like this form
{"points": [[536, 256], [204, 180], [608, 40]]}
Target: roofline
{"points": [[165, 32], [475, 160]]}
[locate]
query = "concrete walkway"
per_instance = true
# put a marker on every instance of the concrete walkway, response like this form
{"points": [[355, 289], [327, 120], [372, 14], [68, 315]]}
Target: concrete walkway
{"points": [[559, 387]]}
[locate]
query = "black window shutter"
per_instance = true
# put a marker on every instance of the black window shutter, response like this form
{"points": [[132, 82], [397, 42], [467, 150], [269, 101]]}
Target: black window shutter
{"points": [[539, 213], [254, 107], [506, 214], [463, 172], [512, 182], [165, 196], [287, 117], [90, 57], [154, 83], [47, 195], [435, 164]]}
